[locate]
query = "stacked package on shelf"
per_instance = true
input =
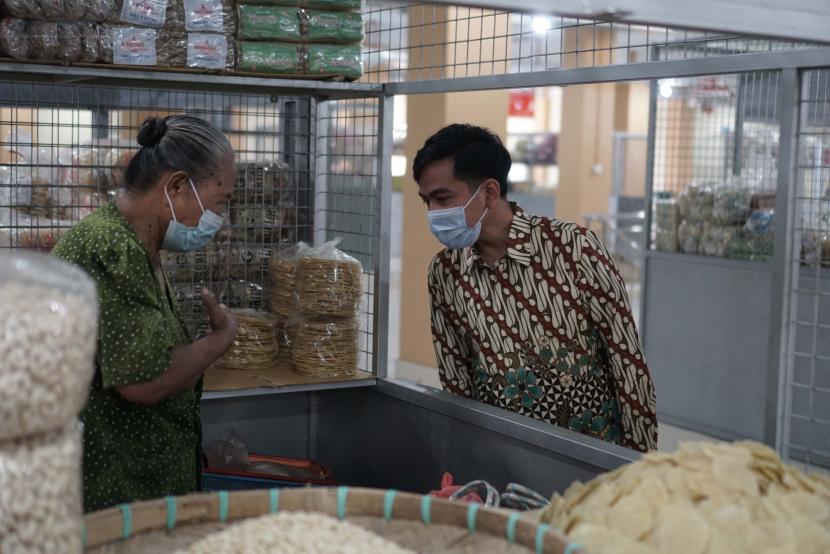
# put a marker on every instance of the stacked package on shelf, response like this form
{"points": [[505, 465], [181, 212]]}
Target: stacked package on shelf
{"points": [[666, 221], [308, 37], [235, 265], [724, 221], [171, 33], [326, 325], [45, 30], [711, 218]]}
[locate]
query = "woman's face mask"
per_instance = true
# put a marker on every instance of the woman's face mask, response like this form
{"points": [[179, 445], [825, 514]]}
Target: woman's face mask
{"points": [[450, 225], [181, 238]]}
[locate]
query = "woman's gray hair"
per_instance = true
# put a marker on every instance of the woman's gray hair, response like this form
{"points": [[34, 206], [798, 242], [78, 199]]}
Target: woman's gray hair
{"points": [[176, 143]]}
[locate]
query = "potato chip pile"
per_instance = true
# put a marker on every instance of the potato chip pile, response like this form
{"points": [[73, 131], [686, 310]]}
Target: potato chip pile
{"points": [[704, 498]]}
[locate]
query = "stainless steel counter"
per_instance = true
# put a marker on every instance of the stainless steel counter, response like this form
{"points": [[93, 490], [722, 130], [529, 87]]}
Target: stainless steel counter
{"points": [[404, 436]]}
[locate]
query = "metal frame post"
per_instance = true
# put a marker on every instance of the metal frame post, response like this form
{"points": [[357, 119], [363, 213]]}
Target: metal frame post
{"points": [[383, 219], [649, 194], [785, 268]]}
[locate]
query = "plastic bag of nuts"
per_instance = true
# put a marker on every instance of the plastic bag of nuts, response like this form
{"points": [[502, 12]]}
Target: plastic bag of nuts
{"points": [[48, 345]]}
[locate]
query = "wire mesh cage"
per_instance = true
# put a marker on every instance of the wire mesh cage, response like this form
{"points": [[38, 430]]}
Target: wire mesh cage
{"points": [[807, 414], [407, 41], [715, 165], [63, 149], [347, 194]]}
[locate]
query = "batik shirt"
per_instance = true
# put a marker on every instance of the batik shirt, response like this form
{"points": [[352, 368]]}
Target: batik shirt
{"points": [[132, 452], [547, 332]]}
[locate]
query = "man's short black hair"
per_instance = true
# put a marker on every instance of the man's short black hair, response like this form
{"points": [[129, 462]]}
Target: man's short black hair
{"points": [[478, 154]]}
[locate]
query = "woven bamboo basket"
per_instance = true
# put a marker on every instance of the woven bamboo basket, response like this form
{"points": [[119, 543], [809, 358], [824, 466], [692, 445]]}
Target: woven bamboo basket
{"points": [[421, 523]]}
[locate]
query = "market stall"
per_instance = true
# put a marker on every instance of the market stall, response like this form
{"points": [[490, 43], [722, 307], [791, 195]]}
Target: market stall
{"points": [[307, 377]]}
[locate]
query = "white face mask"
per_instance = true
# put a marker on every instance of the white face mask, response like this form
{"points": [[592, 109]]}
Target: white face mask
{"points": [[181, 238], [450, 225]]}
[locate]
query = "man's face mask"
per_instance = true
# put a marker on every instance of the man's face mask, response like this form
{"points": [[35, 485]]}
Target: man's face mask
{"points": [[450, 225], [181, 238]]}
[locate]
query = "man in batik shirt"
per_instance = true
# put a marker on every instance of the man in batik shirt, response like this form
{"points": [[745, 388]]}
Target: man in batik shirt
{"points": [[528, 313]]}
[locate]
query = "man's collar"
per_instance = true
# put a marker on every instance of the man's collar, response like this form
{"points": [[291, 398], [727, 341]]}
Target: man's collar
{"points": [[518, 241]]}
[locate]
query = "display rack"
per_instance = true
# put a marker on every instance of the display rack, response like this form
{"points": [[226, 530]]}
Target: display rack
{"points": [[309, 158], [336, 140]]}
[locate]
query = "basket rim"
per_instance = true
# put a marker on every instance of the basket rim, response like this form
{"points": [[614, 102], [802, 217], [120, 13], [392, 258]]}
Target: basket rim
{"points": [[128, 520]]}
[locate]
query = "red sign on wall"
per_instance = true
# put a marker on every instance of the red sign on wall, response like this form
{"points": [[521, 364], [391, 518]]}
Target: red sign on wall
{"points": [[521, 103]]}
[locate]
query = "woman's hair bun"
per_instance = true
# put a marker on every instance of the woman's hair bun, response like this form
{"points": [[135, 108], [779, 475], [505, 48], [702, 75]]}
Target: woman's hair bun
{"points": [[151, 131]]}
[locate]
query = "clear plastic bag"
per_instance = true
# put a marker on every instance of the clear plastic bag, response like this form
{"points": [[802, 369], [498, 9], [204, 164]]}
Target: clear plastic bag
{"points": [[228, 454], [282, 274], [206, 51], [327, 59], [282, 24], [283, 299], [209, 16], [696, 203], [48, 345], [255, 345], [271, 23], [731, 205], [325, 348], [329, 282], [65, 10], [40, 493], [718, 239], [336, 5], [124, 45], [148, 13], [300, 59], [331, 27], [270, 57], [689, 234], [248, 262], [63, 41]]}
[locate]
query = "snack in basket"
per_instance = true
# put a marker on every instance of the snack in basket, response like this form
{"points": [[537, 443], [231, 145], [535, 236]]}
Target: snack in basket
{"points": [[255, 345], [294, 533], [325, 348], [706, 497]]}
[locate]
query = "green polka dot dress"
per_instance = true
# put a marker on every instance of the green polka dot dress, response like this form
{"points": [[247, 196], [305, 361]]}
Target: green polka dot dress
{"points": [[132, 452]]}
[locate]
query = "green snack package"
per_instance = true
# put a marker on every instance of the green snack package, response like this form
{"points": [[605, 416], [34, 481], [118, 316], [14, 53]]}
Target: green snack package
{"points": [[337, 60], [266, 57], [333, 26], [332, 4], [268, 22]]}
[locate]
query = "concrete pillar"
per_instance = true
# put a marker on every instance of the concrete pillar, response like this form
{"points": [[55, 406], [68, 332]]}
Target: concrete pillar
{"points": [[426, 114]]}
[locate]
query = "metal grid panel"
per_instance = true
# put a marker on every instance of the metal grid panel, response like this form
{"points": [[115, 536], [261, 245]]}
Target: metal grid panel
{"points": [[347, 195], [806, 435], [715, 165], [64, 148], [408, 41]]}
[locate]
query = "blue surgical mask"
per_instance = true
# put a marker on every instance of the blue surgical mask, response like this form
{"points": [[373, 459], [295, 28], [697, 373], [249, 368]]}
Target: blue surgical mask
{"points": [[450, 226], [181, 238]]}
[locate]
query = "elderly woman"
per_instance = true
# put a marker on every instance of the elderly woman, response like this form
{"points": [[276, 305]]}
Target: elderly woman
{"points": [[142, 431]]}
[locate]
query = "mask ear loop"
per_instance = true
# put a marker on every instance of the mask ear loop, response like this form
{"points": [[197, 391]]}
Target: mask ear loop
{"points": [[486, 209], [199, 200], [169, 203]]}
